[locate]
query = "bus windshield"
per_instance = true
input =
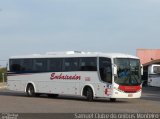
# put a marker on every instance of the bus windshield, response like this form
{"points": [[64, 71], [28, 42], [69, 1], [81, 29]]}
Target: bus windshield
{"points": [[128, 71]]}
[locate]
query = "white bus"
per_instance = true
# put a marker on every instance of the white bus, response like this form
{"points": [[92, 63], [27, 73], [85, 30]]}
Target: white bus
{"points": [[93, 75], [154, 75]]}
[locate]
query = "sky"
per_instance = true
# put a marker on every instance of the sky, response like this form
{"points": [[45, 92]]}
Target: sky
{"points": [[40, 26]]}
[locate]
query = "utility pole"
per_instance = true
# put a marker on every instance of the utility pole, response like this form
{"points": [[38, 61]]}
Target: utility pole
{"points": [[3, 77]]}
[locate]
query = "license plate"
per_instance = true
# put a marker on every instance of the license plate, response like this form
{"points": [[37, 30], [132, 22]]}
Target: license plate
{"points": [[130, 95]]}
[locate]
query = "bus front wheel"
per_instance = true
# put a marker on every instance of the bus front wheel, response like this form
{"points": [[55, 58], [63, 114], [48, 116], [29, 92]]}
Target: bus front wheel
{"points": [[30, 91], [89, 94]]}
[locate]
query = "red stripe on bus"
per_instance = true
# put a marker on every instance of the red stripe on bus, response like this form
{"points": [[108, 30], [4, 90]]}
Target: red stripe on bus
{"points": [[17, 74], [129, 89]]}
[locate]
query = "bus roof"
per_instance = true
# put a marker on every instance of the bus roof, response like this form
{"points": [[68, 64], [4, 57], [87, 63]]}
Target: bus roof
{"points": [[75, 54]]}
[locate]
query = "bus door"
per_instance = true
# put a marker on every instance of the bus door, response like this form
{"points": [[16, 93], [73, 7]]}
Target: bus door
{"points": [[105, 71]]}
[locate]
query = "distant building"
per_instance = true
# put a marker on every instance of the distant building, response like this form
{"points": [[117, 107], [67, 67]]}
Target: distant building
{"points": [[148, 56], [150, 59]]}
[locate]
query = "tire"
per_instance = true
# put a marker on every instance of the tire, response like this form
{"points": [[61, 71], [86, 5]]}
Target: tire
{"points": [[30, 91], [37, 94], [53, 95], [89, 94], [113, 99]]}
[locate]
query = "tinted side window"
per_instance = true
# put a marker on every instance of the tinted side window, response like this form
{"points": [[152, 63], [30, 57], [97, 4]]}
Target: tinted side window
{"points": [[71, 64], [27, 65], [88, 64], [40, 65], [21, 65], [105, 69], [55, 65], [15, 65]]}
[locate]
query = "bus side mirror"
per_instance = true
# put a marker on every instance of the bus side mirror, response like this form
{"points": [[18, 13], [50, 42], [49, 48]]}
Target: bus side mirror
{"points": [[115, 70], [141, 69]]}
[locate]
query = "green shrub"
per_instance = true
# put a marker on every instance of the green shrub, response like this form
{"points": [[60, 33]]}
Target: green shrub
{"points": [[3, 70]]}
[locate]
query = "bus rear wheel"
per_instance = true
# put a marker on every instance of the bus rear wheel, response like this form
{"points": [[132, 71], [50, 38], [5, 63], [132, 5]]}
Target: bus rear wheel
{"points": [[113, 99], [53, 95], [30, 91], [89, 94]]}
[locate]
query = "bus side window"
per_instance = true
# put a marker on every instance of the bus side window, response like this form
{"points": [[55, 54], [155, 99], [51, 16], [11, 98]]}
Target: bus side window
{"points": [[15, 65], [88, 64], [40, 65], [27, 65], [55, 64], [105, 69], [156, 69], [21, 65], [71, 64]]}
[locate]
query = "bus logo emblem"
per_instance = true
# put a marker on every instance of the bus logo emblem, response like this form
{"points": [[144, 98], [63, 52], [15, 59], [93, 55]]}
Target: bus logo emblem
{"points": [[64, 77]]}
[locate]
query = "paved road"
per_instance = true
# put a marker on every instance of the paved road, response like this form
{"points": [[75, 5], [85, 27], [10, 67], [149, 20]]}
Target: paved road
{"points": [[18, 103]]}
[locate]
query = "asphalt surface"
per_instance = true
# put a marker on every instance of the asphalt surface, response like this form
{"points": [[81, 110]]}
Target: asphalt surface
{"points": [[16, 102]]}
